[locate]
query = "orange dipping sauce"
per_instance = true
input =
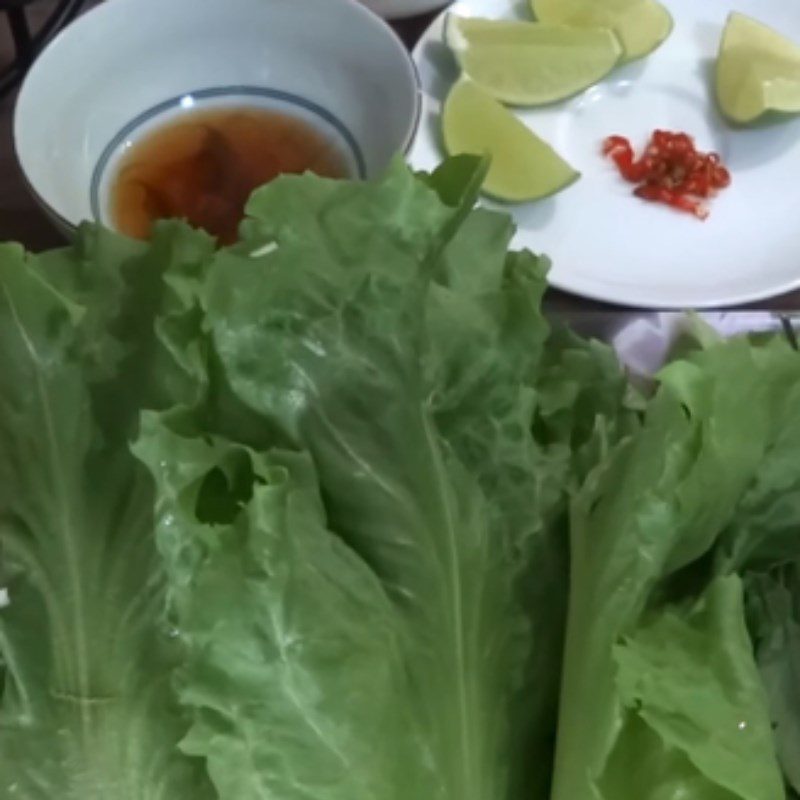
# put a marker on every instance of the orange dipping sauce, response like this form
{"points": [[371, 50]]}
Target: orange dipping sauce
{"points": [[204, 167]]}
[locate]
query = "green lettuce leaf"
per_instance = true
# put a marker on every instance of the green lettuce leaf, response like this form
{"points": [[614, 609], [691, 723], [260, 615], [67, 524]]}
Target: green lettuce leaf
{"points": [[775, 619], [765, 531], [294, 649], [644, 530], [697, 722], [410, 542], [356, 325], [86, 710], [586, 404]]}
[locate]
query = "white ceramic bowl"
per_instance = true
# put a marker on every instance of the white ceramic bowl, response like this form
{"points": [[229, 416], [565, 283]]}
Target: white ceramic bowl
{"points": [[130, 65]]}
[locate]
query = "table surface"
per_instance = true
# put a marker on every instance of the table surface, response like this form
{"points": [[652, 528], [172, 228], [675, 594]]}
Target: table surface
{"points": [[21, 219]]}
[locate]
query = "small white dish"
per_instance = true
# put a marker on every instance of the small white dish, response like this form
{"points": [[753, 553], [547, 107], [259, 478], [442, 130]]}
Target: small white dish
{"points": [[398, 9], [606, 244], [131, 65]]}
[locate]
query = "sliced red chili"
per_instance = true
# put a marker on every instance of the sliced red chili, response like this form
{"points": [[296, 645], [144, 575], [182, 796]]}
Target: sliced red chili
{"points": [[669, 197], [670, 171], [722, 178]]}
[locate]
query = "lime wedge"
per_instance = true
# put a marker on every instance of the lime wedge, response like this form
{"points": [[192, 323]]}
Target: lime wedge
{"points": [[758, 71], [523, 167], [642, 25], [529, 63]]}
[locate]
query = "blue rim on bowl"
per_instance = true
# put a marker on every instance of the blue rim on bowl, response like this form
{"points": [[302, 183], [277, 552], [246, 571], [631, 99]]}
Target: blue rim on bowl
{"points": [[190, 100]]}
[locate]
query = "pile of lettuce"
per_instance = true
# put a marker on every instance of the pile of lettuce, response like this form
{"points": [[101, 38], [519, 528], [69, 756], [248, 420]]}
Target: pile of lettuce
{"points": [[334, 514]]}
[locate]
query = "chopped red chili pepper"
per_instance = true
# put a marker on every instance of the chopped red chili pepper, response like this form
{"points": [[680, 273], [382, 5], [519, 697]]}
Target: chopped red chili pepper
{"points": [[671, 171], [669, 197]]}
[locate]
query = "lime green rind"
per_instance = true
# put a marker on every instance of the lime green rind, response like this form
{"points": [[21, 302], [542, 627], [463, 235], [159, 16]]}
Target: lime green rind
{"points": [[576, 176], [524, 168], [757, 80], [669, 27], [462, 32], [530, 64], [507, 94], [634, 22]]}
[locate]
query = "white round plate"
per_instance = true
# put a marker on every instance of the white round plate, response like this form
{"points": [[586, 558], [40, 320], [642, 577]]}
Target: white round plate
{"points": [[606, 244]]}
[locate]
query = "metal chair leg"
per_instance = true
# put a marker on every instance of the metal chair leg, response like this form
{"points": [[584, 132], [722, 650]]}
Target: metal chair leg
{"points": [[20, 32], [28, 45]]}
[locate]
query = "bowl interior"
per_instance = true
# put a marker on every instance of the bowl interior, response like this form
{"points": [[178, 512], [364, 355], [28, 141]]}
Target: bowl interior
{"points": [[129, 65]]}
